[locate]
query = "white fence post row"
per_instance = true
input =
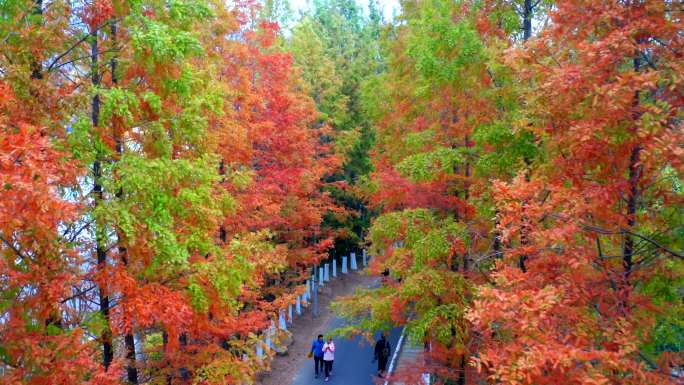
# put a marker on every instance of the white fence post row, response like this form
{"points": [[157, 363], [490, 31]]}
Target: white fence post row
{"points": [[323, 276]]}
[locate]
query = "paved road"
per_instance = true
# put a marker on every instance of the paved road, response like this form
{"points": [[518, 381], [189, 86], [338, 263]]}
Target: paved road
{"points": [[352, 365]]}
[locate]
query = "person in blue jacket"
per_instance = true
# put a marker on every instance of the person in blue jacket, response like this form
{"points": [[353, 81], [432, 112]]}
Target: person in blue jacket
{"points": [[317, 351]]}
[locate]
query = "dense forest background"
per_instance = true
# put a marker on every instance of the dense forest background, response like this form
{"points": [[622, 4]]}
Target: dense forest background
{"points": [[171, 171]]}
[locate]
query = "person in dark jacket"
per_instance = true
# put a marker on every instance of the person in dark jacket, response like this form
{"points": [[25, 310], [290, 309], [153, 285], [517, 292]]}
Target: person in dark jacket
{"points": [[382, 353], [317, 351]]}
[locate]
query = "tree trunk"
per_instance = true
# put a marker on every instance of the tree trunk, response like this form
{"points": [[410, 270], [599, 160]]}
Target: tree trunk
{"points": [[496, 246], [461, 371], [106, 338], [528, 10], [633, 194], [634, 176], [36, 66], [129, 339], [527, 20], [131, 369]]}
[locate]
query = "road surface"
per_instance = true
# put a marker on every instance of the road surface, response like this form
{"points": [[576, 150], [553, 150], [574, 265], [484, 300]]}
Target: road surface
{"points": [[352, 364]]}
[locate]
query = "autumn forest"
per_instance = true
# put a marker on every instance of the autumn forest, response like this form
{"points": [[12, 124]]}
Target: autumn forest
{"points": [[172, 172]]}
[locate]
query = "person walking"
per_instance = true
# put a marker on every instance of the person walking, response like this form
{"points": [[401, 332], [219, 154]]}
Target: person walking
{"points": [[317, 352], [328, 357], [382, 353]]}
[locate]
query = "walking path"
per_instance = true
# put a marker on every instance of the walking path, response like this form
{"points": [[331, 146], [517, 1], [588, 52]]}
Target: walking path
{"points": [[410, 358], [353, 362], [353, 357], [304, 328]]}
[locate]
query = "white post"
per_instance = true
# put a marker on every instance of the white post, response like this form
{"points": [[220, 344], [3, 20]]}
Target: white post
{"points": [[282, 324], [321, 276], [344, 265], [259, 350], [314, 290], [353, 261], [365, 263], [327, 272], [269, 343], [299, 306], [289, 314], [334, 263]]}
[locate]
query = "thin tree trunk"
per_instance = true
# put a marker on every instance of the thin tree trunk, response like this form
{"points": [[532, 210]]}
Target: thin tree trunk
{"points": [[165, 343], [36, 66], [524, 230], [106, 338], [462, 369], [131, 369], [466, 188], [633, 197], [496, 246], [524, 240], [527, 20], [466, 196], [223, 234], [632, 201], [223, 238], [129, 339]]}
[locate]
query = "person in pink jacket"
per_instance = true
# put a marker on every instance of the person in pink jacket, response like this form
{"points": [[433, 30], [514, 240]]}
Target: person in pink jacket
{"points": [[328, 357]]}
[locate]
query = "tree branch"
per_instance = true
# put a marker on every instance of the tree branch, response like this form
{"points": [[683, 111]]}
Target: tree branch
{"points": [[623, 231], [13, 247], [655, 243], [76, 44], [78, 232], [82, 58], [58, 58], [80, 293]]}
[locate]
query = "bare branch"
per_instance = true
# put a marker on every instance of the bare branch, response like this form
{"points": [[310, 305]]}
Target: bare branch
{"points": [[78, 294], [78, 232], [73, 46], [81, 58]]}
